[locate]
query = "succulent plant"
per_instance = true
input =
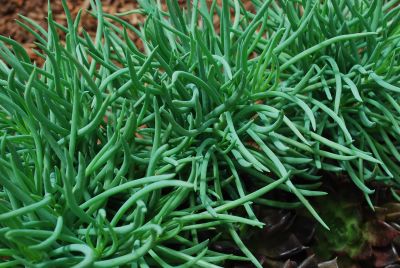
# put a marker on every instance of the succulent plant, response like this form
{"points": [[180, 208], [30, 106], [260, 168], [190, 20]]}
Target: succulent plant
{"points": [[111, 155]]}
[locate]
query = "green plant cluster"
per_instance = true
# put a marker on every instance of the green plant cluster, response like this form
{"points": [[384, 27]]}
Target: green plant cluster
{"points": [[111, 155]]}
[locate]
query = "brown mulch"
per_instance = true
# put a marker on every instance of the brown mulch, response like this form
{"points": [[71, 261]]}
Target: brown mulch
{"points": [[37, 10]]}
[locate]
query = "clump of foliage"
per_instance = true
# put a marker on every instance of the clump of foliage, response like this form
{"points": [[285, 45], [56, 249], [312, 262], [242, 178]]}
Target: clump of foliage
{"points": [[112, 155], [358, 237]]}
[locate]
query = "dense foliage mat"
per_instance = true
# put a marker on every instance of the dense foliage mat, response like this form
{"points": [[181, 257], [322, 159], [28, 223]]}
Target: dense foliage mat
{"points": [[111, 155]]}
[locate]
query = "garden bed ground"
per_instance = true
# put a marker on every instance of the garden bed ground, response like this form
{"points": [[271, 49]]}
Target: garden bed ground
{"points": [[37, 10]]}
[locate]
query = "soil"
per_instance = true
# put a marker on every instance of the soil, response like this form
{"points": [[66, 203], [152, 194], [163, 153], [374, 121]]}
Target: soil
{"points": [[37, 11]]}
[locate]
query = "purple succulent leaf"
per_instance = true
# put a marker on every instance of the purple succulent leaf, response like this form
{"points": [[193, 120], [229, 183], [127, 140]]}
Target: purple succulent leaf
{"points": [[379, 233], [385, 256]]}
